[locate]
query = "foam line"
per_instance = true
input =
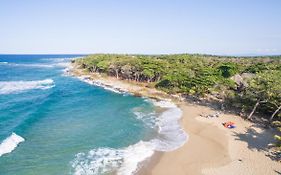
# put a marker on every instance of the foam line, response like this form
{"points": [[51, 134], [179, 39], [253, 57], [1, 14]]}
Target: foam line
{"points": [[8, 87], [10, 143], [126, 161]]}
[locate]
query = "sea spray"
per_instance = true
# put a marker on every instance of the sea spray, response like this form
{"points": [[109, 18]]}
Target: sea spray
{"points": [[10, 143]]}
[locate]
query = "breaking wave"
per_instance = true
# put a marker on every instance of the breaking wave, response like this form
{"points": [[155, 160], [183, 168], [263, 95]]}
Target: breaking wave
{"points": [[109, 161], [53, 63], [10, 143], [8, 87], [126, 161]]}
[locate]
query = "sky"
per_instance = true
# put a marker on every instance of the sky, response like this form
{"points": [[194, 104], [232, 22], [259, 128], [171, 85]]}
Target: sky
{"points": [[222, 27]]}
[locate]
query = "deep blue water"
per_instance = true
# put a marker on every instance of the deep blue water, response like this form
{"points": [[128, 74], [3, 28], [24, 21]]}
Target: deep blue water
{"points": [[62, 118]]}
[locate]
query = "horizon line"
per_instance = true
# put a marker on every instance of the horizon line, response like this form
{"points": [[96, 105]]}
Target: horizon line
{"points": [[112, 53]]}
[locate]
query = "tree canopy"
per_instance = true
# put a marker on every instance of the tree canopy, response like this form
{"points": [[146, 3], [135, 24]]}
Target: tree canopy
{"points": [[250, 83]]}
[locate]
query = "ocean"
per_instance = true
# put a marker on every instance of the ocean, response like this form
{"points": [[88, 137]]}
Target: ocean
{"points": [[52, 123]]}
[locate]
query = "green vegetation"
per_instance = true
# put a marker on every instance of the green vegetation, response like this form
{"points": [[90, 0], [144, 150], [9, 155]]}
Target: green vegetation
{"points": [[277, 137], [251, 84]]}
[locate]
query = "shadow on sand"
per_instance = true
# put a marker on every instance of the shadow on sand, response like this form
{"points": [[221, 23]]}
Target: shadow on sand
{"points": [[258, 139]]}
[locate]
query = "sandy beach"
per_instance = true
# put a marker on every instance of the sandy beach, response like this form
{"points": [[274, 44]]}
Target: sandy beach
{"points": [[214, 150], [211, 149]]}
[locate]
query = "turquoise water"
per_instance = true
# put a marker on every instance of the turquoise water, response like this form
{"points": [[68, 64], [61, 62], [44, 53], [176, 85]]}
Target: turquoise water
{"points": [[61, 118]]}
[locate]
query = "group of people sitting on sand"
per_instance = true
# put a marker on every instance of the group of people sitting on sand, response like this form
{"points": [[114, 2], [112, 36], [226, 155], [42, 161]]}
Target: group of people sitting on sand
{"points": [[228, 124]]}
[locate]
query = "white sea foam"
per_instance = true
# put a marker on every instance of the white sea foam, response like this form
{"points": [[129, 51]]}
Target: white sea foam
{"points": [[109, 88], [8, 87], [126, 161], [42, 65], [163, 103], [102, 85], [10, 143], [66, 59], [52, 64], [148, 118], [54, 59], [66, 70], [62, 64], [35, 65], [106, 160], [58, 62], [171, 135]]}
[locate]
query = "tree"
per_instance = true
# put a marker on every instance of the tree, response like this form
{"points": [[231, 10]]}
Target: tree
{"points": [[228, 69], [275, 112], [148, 74], [200, 75], [276, 90], [264, 88]]}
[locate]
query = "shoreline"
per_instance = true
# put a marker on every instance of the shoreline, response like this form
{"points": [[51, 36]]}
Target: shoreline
{"points": [[210, 149], [207, 147]]}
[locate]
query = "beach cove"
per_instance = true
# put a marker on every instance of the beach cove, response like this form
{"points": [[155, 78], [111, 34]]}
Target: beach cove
{"points": [[140, 87], [211, 148], [92, 123]]}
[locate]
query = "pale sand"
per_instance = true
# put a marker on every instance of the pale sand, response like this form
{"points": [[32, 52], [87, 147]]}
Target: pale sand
{"points": [[215, 150], [211, 149]]}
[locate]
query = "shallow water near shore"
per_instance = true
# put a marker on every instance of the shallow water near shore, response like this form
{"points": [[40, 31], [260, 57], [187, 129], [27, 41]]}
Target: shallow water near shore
{"points": [[52, 123]]}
